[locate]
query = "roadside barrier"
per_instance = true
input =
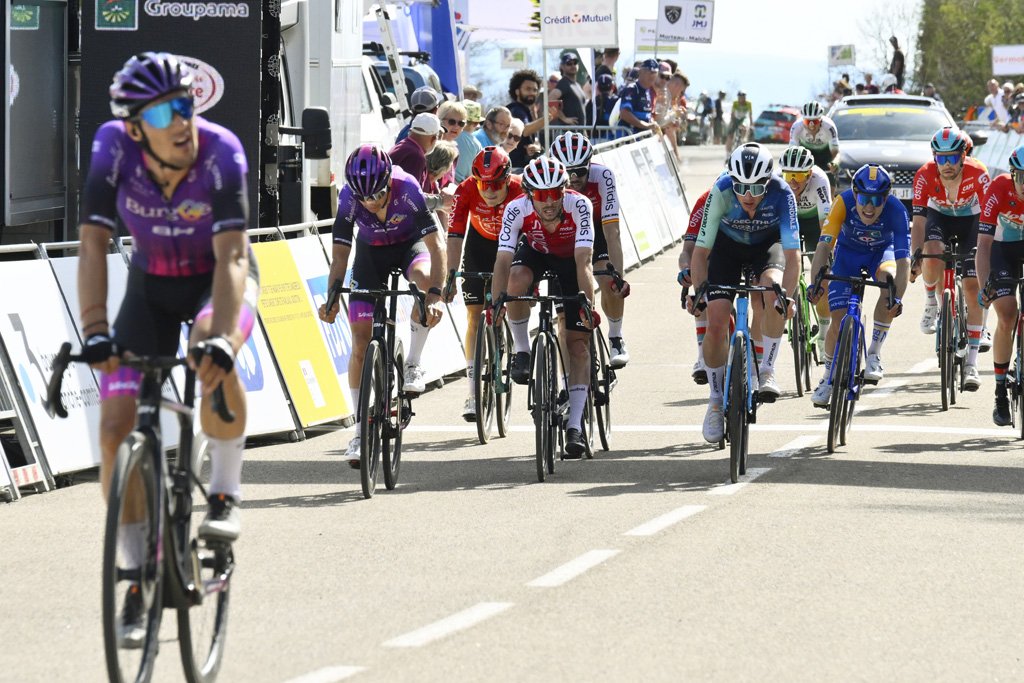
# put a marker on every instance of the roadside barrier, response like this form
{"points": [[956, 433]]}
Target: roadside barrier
{"points": [[295, 367], [995, 153]]}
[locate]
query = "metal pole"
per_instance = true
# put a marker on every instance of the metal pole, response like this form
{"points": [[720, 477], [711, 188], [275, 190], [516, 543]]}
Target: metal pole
{"points": [[547, 110], [593, 89]]}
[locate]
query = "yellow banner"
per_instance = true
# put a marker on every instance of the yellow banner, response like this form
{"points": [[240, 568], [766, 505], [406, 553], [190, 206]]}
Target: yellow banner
{"points": [[293, 330]]}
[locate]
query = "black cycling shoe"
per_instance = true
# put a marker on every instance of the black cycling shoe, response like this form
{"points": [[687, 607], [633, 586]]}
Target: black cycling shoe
{"points": [[521, 367], [574, 446], [700, 376], [1001, 413], [131, 629]]}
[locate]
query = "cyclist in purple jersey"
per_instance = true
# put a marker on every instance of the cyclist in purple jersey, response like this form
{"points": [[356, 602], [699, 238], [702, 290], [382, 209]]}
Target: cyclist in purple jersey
{"points": [[178, 183], [396, 230]]}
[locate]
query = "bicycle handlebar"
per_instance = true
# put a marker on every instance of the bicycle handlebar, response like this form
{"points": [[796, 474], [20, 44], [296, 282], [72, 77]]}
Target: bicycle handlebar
{"points": [[452, 274], [580, 298], [864, 281], [54, 404], [413, 291], [702, 291], [609, 271], [946, 256], [333, 294]]}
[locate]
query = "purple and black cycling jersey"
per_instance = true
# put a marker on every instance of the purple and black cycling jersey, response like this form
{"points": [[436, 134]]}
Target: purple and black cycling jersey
{"points": [[407, 218], [170, 237]]}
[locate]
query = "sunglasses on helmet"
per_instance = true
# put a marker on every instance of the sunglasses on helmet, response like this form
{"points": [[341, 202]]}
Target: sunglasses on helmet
{"points": [[795, 176], [550, 195], [872, 199], [753, 189], [161, 115], [941, 159]]}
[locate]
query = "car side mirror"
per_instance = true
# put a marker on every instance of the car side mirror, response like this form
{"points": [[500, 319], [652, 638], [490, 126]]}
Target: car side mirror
{"points": [[315, 133], [388, 106], [979, 138]]}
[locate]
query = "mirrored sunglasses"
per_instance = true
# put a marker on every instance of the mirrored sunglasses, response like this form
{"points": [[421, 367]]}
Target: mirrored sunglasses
{"points": [[941, 159], [872, 199], [812, 120], [376, 197], [578, 171], [753, 189], [1017, 176], [795, 176], [491, 184], [161, 115], [551, 195]]}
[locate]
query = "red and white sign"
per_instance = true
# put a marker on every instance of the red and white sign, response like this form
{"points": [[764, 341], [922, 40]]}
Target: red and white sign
{"points": [[1007, 60], [209, 84]]}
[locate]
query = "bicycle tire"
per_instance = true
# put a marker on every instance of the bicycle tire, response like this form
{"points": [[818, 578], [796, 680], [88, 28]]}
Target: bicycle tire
{"points": [[394, 427], [483, 380], [605, 384], [853, 391], [1019, 393], [946, 349], [737, 412], [962, 336], [373, 413], [134, 463], [503, 400], [539, 390], [796, 342], [556, 433], [840, 385], [202, 627]]}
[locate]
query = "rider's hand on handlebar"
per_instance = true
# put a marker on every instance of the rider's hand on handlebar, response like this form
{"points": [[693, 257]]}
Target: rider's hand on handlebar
{"points": [[100, 352], [329, 316], [435, 311], [620, 287], [217, 362]]}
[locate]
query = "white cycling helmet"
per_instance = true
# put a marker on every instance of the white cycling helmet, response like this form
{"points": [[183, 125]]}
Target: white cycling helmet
{"points": [[796, 159], [751, 163], [572, 149], [545, 173], [813, 110]]}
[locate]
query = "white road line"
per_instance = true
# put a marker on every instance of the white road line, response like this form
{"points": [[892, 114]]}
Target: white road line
{"points": [[449, 625], [330, 674], [807, 427], [887, 389], [666, 520], [924, 366], [728, 488], [570, 570], [795, 446]]}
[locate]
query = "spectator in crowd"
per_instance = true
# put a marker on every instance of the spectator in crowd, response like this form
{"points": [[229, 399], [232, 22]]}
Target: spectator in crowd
{"points": [[423, 99], [495, 128], [1016, 112], [453, 117], [569, 92], [606, 99], [607, 65], [719, 117], [553, 79], [515, 135], [675, 121], [890, 85], [869, 86], [411, 153], [474, 115], [994, 101], [858, 89], [630, 76], [929, 91], [636, 100], [441, 178], [471, 92], [662, 100], [467, 142], [898, 63], [524, 89]]}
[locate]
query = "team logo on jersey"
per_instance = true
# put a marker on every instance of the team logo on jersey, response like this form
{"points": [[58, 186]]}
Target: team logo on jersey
{"points": [[869, 236], [672, 13], [192, 211], [117, 15]]}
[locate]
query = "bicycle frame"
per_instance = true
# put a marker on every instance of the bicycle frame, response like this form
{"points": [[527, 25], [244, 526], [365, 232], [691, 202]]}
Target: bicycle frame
{"points": [[742, 331]]}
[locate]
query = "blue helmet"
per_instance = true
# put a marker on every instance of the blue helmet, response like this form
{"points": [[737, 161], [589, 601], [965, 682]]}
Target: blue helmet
{"points": [[872, 179], [1017, 159], [949, 140]]}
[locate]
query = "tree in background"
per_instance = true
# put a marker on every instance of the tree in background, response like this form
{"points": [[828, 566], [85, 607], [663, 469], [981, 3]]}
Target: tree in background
{"points": [[874, 50]]}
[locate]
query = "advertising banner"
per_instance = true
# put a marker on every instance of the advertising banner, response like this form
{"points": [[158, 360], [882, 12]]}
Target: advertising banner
{"points": [[1007, 60], [219, 38], [671, 194], [579, 23], [645, 38], [842, 55], [634, 203], [296, 337], [688, 21]]}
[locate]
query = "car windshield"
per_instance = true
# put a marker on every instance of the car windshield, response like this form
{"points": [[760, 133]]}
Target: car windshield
{"points": [[889, 123]]}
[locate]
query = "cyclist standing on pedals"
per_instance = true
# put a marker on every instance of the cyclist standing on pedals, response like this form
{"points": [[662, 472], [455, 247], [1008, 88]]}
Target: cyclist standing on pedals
{"points": [[178, 184], [948, 193], [749, 220], [597, 182], [813, 203], [480, 202], [1000, 256], [396, 230], [557, 224], [875, 236], [817, 133]]}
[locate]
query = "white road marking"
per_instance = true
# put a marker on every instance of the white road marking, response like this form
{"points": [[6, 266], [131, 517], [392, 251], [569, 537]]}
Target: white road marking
{"points": [[728, 488], [570, 570], [924, 366], [795, 446], [808, 427], [449, 625], [666, 520], [884, 390], [330, 674]]}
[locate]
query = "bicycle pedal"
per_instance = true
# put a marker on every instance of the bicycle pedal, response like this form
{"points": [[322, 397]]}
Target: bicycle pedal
{"points": [[600, 399], [764, 398], [872, 382]]}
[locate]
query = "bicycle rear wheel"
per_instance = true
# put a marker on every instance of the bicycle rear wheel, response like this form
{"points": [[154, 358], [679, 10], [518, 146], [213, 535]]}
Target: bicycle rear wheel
{"points": [[946, 351], [602, 387], [503, 365], [540, 391], [374, 403], [202, 626], [132, 564], [840, 385], [796, 341], [737, 416], [483, 380], [399, 410]]}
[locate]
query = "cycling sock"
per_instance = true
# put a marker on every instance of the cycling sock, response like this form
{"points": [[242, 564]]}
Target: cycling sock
{"points": [[702, 328], [470, 374], [929, 290], [131, 540], [520, 334], [878, 336], [771, 353], [716, 380], [758, 351], [417, 341], [226, 466], [614, 327], [355, 400], [973, 343], [823, 325], [984, 317], [1000, 373], [577, 400]]}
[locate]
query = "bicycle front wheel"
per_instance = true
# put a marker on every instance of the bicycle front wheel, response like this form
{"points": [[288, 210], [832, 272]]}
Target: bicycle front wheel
{"points": [[602, 382], [540, 391], [840, 384], [399, 412], [484, 379], [374, 403], [132, 564], [796, 341], [556, 431], [946, 352], [737, 417], [853, 390], [1019, 372]]}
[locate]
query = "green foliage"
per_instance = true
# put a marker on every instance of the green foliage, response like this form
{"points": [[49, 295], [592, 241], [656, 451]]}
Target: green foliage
{"points": [[955, 46]]}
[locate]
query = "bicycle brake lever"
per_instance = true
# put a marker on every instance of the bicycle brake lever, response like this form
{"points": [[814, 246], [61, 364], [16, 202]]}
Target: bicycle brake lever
{"points": [[421, 302], [54, 404]]}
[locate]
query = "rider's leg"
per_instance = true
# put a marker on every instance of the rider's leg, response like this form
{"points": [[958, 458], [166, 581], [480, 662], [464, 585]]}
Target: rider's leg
{"points": [[931, 270], [473, 312]]}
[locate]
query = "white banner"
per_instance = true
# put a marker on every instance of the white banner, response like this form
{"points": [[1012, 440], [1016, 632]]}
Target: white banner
{"points": [[842, 55], [688, 21], [645, 39], [1007, 60], [671, 194], [579, 23], [514, 58]]}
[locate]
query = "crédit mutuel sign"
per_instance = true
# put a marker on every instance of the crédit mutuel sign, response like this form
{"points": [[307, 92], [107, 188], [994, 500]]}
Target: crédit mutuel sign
{"points": [[578, 23]]}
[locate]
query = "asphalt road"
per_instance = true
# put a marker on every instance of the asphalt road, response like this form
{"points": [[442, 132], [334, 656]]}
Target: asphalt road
{"points": [[897, 558]]}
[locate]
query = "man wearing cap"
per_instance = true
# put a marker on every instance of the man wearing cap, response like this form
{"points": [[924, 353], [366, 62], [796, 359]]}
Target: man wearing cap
{"points": [[467, 142], [471, 92], [569, 92], [929, 91], [495, 128], [636, 101], [424, 99], [606, 99], [411, 153]]}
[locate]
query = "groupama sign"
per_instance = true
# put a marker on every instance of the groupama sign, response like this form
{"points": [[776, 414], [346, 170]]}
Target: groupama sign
{"points": [[579, 23]]}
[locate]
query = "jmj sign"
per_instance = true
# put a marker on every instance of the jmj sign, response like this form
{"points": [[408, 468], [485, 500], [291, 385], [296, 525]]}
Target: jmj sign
{"points": [[228, 71], [688, 21], [579, 23]]}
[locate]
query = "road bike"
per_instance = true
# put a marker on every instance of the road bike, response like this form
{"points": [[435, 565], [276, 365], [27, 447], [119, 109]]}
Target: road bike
{"points": [[385, 408], [1015, 374], [742, 377], [846, 376], [802, 330], [952, 338], [492, 358], [173, 568]]}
